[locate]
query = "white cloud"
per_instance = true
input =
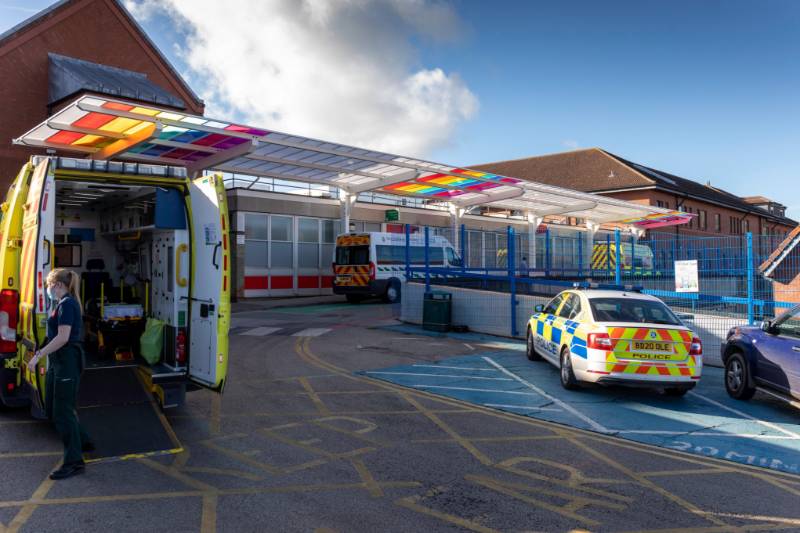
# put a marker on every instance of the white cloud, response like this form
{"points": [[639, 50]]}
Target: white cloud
{"points": [[341, 70]]}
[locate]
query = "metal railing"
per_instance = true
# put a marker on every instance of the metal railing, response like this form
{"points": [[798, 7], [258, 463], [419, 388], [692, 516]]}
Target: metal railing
{"points": [[731, 289]]}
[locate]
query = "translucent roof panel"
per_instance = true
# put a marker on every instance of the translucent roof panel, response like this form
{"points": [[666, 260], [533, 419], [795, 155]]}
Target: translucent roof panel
{"points": [[103, 128]]}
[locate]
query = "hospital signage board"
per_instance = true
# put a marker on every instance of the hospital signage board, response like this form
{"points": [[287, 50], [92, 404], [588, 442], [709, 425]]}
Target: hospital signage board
{"points": [[686, 278]]}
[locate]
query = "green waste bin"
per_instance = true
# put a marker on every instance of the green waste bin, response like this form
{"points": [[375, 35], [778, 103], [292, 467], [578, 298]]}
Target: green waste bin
{"points": [[437, 309]]}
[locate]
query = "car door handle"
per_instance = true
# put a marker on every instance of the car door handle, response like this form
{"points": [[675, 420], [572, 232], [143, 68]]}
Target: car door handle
{"points": [[214, 257], [796, 348]]}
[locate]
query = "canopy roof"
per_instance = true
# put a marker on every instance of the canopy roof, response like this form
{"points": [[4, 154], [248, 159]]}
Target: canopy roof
{"points": [[103, 128]]}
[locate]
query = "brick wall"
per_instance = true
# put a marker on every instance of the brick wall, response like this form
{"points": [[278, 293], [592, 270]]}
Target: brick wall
{"points": [[787, 292], [757, 224], [93, 30]]}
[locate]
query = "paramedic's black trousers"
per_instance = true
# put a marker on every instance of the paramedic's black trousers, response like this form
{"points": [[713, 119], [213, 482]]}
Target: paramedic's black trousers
{"points": [[63, 379]]}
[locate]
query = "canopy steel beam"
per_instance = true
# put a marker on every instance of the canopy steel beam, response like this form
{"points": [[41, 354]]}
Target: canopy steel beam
{"points": [[221, 156], [384, 179], [564, 210], [407, 175], [490, 198], [43, 144], [58, 125], [129, 142]]}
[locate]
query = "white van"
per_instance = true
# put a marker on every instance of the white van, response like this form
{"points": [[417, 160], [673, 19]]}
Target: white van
{"points": [[374, 264]]}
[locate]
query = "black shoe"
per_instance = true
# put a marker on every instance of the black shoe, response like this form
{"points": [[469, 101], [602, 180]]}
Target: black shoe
{"points": [[88, 447], [68, 471]]}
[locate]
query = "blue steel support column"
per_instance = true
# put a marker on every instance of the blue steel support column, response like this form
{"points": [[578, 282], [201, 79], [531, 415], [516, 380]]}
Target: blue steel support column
{"points": [[427, 260], [633, 254], [750, 315], [408, 252], [463, 240], [608, 255], [512, 278], [618, 270]]}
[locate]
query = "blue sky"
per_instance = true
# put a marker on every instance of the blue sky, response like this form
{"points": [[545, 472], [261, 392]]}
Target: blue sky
{"points": [[704, 89]]}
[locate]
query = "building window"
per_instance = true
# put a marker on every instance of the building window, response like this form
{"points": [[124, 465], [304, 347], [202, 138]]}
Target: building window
{"points": [[702, 219], [282, 235], [717, 223], [330, 228], [255, 244], [662, 203], [691, 219], [745, 226], [736, 225], [308, 243]]}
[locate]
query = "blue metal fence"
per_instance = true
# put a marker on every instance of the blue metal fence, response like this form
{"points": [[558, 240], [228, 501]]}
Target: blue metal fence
{"points": [[731, 288]]}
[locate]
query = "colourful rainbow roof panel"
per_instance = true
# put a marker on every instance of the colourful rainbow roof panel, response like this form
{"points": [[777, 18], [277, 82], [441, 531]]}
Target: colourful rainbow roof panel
{"points": [[103, 128]]}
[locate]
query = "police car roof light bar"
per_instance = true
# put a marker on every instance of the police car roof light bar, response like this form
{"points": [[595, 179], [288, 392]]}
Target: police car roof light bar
{"points": [[607, 286]]}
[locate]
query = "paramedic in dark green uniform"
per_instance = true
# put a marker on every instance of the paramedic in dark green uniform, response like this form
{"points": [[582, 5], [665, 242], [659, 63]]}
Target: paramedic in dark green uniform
{"points": [[64, 349]]}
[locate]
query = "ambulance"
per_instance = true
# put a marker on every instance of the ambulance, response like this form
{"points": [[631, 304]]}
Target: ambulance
{"points": [[373, 264], [613, 335], [149, 244], [636, 258]]}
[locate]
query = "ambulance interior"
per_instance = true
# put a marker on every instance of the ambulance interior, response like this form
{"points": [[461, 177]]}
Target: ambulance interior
{"points": [[130, 245]]}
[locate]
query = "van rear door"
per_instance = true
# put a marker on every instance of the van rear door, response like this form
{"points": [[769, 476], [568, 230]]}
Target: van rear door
{"points": [[38, 227], [209, 307]]}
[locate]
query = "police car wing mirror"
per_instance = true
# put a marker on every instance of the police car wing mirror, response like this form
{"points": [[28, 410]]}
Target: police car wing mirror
{"points": [[766, 325], [539, 308]]}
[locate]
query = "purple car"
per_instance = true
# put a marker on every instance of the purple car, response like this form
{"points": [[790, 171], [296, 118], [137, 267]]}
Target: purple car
{"points": [[765, 356]]}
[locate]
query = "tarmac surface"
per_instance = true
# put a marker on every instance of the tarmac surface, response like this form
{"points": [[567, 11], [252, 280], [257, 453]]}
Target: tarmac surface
{"points": [[762, 432], [301, 442]]}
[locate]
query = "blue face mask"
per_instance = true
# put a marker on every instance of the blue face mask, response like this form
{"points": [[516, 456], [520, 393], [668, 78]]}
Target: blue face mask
{"points": [[51, 294]]}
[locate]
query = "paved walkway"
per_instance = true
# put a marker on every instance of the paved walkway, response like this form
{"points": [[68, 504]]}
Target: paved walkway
{"points": [[260, 304], [299, 442]]}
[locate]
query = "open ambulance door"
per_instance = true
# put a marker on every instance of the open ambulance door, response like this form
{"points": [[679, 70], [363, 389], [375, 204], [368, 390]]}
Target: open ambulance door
{"points": [[36, 261], [209, 295]]}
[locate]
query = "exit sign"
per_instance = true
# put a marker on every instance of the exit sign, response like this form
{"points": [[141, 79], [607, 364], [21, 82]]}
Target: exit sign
{"points": [[391, 215]]}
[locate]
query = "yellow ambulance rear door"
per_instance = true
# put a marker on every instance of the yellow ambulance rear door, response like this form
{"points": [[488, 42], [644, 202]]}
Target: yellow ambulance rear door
{"points": [[36, 261]]}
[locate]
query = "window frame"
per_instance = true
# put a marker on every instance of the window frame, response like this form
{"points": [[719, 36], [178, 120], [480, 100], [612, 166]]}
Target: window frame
{"points": [[574, 300], [558, 299], [793, 333]]}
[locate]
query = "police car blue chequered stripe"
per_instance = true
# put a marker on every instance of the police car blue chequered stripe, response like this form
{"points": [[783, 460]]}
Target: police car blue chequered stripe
{"points": [[578, 347]]}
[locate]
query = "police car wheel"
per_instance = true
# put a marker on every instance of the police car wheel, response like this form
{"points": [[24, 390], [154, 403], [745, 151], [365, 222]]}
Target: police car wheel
{"points": [[568, 380], [737, 377], [530, 348]]}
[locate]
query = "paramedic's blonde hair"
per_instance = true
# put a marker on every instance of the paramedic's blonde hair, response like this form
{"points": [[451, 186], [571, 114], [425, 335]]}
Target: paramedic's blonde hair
{"points": [[69, 278]]}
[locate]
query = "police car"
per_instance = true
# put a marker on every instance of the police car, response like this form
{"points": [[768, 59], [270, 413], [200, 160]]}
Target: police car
{"points": [[615, 336]]}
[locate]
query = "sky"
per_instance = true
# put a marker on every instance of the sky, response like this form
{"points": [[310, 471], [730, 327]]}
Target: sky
{"points": [[704, 89]]}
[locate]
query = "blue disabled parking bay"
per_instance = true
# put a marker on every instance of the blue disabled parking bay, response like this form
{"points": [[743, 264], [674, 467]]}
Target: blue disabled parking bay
{"points": [[762, 432]]}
